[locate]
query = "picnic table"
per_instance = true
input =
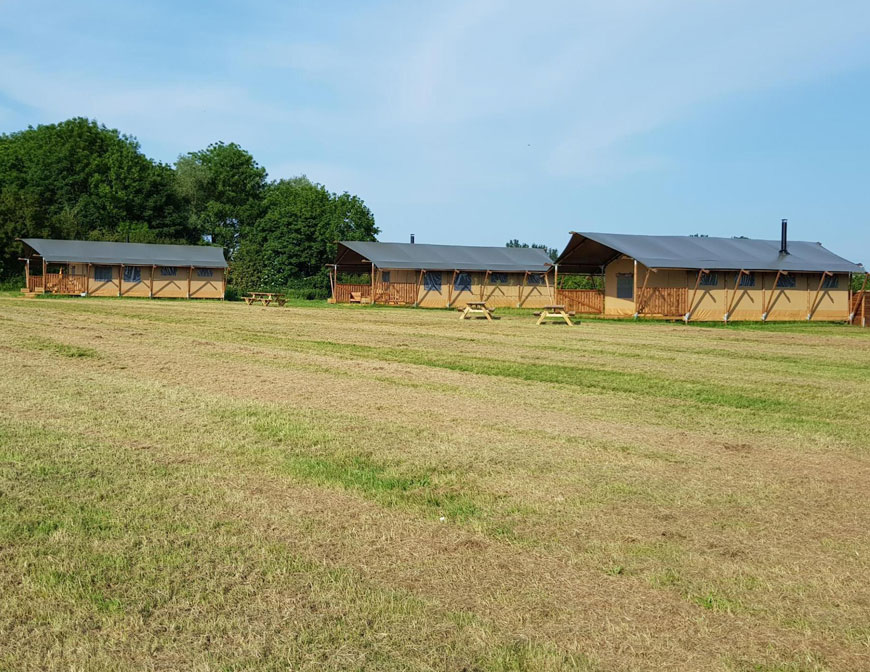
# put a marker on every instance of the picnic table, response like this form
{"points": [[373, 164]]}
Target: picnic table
{"points": [[476, 307], [555, 311], [265, 298]]}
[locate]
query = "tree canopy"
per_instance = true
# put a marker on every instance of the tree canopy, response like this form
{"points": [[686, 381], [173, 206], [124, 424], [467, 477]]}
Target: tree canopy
{"points": [[552, 252], [80, 180]]}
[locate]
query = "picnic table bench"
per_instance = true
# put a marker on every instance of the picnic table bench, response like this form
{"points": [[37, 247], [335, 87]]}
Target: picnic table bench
{"points": [[555, 311], [265, 298], [476, 307]]}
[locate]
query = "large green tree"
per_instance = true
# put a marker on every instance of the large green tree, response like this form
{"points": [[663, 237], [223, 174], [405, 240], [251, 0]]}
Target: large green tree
{"points": [[223, 188], [296, 236], [80, 180]]}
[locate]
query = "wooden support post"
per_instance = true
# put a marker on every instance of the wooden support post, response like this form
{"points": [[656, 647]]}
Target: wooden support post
{"points": [[483, 285], [769, 304], [120, 278], [332, 273], [521, 290], [44, 273], [151, 282], [27, 274], [555, 283], [88, 282], [547, 282], [450, 289], [730, 304], [634, 287], [189, 278], [860, 298], [638, 307], [691, 307], [373, 284], [811, 309], [417, 287]]}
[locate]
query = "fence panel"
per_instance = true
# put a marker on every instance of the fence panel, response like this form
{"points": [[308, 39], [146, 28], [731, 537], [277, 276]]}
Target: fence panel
{"points": [[590, 301]]}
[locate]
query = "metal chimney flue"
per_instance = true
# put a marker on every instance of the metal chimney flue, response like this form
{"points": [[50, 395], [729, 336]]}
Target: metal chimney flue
{"points": [[783, 245], [412, 239]]}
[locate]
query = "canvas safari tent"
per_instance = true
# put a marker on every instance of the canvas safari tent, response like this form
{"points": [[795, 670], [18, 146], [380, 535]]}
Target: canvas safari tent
{"points": [[702, 278], [439, 276], [97, 268]]}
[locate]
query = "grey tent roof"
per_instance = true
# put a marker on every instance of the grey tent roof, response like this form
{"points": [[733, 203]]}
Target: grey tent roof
{"points": [[132, 254], [442, 257], [588, 252]]}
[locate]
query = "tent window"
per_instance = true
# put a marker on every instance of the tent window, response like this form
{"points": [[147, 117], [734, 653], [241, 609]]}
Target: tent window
{"points": [[786, 282], [204, 273], [432, 281], [536, 279], [709, 280], [168, 271], [103, 273], [132, 274], [624, 286], [831, 282], [498, 278], [747, 280], [462, 282], [385, 276]]}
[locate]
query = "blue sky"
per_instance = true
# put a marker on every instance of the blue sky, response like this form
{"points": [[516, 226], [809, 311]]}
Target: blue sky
{"points": [[480, 121]]}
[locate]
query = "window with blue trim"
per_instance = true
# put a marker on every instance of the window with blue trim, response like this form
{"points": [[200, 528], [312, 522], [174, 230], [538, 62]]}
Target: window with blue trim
{"points": [[204, 272], [169, 271], [462, 282], [432, 281], [536, 279], [625, 286], [132, 274], [103, 273], [831, 282], [385, 276], [786, 282], [747, 280], [498, 278], [709, 280]]}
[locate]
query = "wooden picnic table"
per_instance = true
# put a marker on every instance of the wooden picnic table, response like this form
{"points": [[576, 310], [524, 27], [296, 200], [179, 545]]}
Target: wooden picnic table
{"points": [[555, 311], [265, 298], [476, 307]]}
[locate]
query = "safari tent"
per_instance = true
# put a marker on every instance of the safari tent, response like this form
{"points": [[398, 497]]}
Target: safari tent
{"points": [[702, 278], [440, 276], [96, 268]]}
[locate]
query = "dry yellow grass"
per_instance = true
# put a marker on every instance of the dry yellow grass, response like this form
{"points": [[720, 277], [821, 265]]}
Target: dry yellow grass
{"points": [[219, 487]]}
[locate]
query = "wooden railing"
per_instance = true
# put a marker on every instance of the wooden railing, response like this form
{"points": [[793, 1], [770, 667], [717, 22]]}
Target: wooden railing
{"points": [[396, 293], [342, 292], [58, 283], [663, 301], [860, 309], [590, 301]]}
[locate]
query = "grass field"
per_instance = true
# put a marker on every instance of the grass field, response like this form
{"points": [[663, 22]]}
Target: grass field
{"points": [[211, 486]]}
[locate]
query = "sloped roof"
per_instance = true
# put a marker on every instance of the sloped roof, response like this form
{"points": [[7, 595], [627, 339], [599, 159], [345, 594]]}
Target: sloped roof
{"points": [[420, 256], [588, 252], [132, 254]]}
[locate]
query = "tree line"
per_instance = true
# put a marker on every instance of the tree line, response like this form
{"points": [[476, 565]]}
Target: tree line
{"points": [[81, 180]]}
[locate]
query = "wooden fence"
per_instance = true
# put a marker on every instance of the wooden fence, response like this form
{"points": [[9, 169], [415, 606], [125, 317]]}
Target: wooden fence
{"points": [[589, 301], [58, 283], [860, 309], [663, 301], [396, 293], [342, 292]]}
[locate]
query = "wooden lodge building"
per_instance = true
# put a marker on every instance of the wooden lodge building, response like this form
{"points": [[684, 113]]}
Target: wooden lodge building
{"points": [[701, 278], [95, 268], [441, 276]]}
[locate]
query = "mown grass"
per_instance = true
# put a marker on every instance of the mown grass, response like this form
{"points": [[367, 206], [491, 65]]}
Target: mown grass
{"points": [[208, 486]]}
